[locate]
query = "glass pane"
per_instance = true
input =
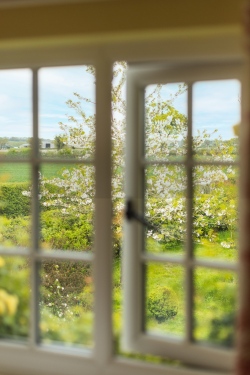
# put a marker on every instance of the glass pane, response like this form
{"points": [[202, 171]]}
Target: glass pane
{"points": [[215, 306], [164, 299], [15, 113], [216, 108], [15, 205], [67, 112], [67, 207], [215, 212], [165, 121], [14, 297], [66, 303], [165, 210]]}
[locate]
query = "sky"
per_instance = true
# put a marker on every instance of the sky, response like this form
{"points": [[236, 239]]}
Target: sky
{"points": [[56, 86], [216, 104]]}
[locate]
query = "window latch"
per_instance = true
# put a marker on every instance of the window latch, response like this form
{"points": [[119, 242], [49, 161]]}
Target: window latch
{"points": [[131, 214]]}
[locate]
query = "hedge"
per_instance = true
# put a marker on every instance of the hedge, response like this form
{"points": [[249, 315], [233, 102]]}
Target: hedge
{"points": [[12, 202]]}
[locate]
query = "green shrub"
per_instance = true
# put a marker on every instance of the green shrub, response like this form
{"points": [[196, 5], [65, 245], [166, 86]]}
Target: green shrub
{"points": [[222, 330], [68, 232], [14, 297], [66, 284], [22, 153], [162, 303], [13, 202], [76, 326], [15, 231]]}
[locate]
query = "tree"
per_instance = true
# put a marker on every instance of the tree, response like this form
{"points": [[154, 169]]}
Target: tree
{"points": [[165, 137], [3, 142], [59, 142]]}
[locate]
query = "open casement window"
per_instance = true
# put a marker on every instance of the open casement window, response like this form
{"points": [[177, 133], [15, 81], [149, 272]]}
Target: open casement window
{"points": [[174, 170]]}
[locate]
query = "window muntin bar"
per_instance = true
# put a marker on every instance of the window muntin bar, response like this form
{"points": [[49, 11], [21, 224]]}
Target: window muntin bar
{"points": [[34, 265]]}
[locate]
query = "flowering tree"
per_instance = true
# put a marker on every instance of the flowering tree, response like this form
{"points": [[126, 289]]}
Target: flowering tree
{"points": [[72, 194]]}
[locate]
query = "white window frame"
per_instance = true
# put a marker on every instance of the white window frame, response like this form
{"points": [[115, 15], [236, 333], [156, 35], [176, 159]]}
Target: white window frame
{"points": [[135, 258], [102, 52]]}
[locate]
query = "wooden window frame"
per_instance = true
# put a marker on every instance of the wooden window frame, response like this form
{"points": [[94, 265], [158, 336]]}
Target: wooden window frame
{"points": [[102, 51]]}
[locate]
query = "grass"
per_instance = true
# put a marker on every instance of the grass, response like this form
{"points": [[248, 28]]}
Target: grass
{"points": [[203, 249], [214, 293], [21, 172]]}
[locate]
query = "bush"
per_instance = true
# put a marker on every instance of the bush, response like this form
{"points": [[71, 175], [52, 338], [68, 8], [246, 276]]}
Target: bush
{"points": [[13, 202], [15, 231], [68, 232], [162, 303], [14, 297], [22, 153], [222, 330], [66, 284]]}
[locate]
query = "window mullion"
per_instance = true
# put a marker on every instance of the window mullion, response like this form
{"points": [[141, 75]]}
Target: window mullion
{"points": [[34, 321], [189, 236], [103, 216], [133, 265]]}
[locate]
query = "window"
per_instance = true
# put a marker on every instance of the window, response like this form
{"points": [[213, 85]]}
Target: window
{"points": [[34, 355], [165, 172]]}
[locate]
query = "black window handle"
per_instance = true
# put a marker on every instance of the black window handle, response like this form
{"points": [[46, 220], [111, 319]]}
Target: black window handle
{"points": [[131, 214]]}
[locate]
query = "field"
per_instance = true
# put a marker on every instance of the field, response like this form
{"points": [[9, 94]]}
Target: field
{"points": [[21, 172]]}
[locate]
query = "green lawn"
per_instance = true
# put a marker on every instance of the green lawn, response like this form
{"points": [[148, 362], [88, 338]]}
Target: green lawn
{"points": [[21, 172], [214, 291]]}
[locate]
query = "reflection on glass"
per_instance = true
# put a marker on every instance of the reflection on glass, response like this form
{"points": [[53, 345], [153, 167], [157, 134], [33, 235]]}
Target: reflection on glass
{"points": [[15, 113], [67, 207], [15, 205], [216, 108], [164, 299], [215, 215], [14, 297], [165, 208], [66, 303], [67, 112], [215, 306], [165, 121]]}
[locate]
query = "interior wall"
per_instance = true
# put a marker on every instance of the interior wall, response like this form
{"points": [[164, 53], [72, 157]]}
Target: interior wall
{"points": [[100, 17]]}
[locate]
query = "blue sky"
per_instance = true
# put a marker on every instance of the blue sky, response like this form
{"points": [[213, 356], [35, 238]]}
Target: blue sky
{"points": [[56, 86], [215, 103]]}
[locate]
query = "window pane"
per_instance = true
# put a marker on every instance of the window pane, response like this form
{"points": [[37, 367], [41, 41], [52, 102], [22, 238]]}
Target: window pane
{"points": [[165, 208], [216, 108], [15, 205], [215, 212], [215, 306], [14, 297], [166, 121], [67, 112], [67, 207], [164, 299], [66, 303], [15, 113]]}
